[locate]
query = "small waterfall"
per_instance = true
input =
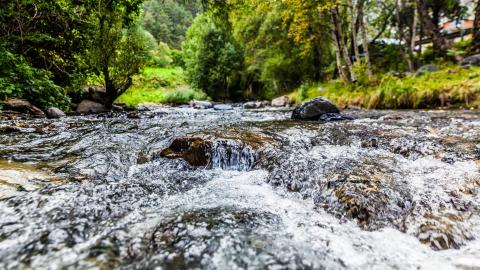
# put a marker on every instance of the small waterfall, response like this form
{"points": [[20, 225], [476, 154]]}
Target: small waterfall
{"points": [[234, 155]]}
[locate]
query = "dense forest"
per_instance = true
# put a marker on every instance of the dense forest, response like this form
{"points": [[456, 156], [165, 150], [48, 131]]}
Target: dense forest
{"points": [[228, 50]]}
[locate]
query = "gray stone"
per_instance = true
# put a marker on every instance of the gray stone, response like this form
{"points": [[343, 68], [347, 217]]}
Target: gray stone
{"points": [[253, 105], [283, 101], [470, 61], [55, 113], [88, 106], [23, 106], [201, 105]]}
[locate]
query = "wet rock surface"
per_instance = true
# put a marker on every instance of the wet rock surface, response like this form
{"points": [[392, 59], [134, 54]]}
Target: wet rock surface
{"points": [[386, 190], [23, 106], [88, 106], [318, 109]]}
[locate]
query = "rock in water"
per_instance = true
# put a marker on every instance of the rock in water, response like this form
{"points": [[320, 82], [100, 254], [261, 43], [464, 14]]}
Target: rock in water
{"points": [[55, 113], [470, 61], [88, 106], [223, 107], [283, 101], [201, 105], [426, 69], [253, 105], [196, 151], [317, 109], [23, 106]]}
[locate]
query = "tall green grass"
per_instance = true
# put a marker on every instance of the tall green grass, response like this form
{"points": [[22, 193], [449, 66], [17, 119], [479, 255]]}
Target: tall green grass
{"points": [[451, 86], [160, 85]]}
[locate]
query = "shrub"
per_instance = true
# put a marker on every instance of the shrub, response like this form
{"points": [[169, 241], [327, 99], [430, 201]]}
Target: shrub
{"points": [[19, 79]]}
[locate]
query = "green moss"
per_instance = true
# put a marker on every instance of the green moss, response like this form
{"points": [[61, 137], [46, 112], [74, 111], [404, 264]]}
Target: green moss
{"points": [[160, 85], [451, 86]]}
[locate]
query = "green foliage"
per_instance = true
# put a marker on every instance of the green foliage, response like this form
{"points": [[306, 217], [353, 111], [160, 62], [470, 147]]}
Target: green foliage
{"points": [[160, 85], [385, 57], [211, 58], [168, 20], [19, 79], [284, 45]]}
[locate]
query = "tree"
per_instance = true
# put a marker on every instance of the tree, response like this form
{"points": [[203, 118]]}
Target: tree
{"points": [[476, 29], [49, 35], [211, 57], [169, 20], [430, 12], [119, 51]]}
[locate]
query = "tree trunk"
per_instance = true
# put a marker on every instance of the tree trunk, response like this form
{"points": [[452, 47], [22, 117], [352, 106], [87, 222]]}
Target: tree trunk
{"points": [[476, 29], [338, 57], [401, 35], [343, 47], [413, 36], [366, 50], [440, 43], [354, 30]]}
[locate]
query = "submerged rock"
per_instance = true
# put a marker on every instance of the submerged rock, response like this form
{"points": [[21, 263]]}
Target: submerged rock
{"points": [[55, 113], [23, 106], [88, 106], [283, 101], [318, 109]]}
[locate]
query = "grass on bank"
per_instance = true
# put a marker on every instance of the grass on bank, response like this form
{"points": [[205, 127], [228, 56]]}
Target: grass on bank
{"points": [[160, 85], [451, 86]]}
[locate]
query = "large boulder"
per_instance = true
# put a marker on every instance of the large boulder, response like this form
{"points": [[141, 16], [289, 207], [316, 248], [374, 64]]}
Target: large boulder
{"points": [[283, 101], [55, 113], [470, 61], [23, 106], [201, 105], [317, 109], [88, 106], [426, 69]]}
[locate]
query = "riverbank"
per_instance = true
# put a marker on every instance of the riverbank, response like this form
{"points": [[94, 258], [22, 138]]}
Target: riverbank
{"points": [[451, 87]]}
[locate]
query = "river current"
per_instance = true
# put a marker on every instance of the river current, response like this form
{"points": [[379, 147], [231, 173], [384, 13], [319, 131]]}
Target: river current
{"points": [[388, 190]]}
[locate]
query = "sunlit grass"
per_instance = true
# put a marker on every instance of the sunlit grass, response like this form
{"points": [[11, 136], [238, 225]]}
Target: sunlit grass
{"points": [[453, 86], [160, 85]]}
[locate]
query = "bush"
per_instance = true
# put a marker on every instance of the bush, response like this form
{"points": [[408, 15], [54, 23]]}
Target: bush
{"points": [[19, 79]]}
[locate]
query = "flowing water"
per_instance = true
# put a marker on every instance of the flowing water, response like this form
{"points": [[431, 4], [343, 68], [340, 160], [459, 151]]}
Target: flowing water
{"points": [[389, 190]]}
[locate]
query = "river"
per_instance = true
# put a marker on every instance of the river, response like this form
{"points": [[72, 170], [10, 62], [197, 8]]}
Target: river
{"points": [[389, 190]]}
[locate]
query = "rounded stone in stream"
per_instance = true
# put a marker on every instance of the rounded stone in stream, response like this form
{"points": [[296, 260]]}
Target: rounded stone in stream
{"points": [[196, 151], [318, 109], [55, 113], [201, 105]]}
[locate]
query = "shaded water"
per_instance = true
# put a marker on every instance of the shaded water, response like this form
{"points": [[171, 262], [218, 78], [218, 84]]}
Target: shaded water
{"points": [[390, 190]]}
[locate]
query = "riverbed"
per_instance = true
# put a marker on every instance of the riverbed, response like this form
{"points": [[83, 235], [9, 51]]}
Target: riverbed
{"points": [[388, 190]]}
